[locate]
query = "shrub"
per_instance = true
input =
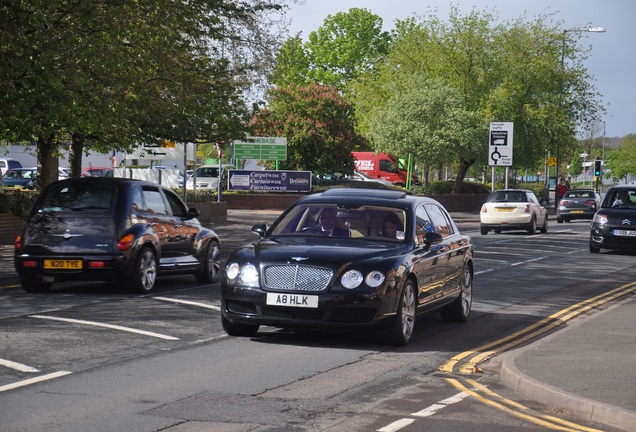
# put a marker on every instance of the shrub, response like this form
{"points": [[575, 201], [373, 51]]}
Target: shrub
{"points": [[17, 202]]}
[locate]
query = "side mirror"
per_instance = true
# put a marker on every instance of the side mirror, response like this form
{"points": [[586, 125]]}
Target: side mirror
{"points": [[432, 238], [193, 212], [260, 229]]}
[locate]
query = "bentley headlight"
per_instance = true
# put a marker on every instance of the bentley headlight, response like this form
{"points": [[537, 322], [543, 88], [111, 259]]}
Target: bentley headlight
{"points": [[242, 274], [232, 270], [248, 274], [351, 279], [375, 279]]}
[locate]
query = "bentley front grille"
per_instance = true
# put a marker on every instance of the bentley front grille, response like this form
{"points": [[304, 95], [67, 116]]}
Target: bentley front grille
{"points": [[297, 278]]}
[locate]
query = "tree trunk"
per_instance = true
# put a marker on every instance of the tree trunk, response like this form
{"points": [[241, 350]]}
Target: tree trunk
{"points": [[462, 169], [48, 162], [75, 155]]}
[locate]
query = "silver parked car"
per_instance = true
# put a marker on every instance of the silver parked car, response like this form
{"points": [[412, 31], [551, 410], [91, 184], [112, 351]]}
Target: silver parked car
{"points": [[578, 204]]}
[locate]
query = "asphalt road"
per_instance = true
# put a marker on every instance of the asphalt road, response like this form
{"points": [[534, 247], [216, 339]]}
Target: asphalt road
{"points": [[162, 362]]}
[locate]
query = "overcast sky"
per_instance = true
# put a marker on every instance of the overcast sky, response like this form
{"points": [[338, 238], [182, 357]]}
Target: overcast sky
{"points": [[612, 61]]}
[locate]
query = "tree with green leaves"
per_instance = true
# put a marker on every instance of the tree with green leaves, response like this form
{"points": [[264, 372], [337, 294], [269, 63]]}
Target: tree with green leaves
{"points": [[315, 119], [505, 72], [119, 73], [622, 160]]}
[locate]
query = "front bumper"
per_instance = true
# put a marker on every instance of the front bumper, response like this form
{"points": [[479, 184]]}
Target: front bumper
{"points": [[355, 311]]}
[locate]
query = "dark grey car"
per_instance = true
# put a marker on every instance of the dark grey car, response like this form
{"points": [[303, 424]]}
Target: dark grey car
{"points": [[578, 204], [113, 229], [614, 224]]}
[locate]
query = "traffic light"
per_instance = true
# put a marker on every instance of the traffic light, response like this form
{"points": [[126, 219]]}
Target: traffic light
{"points": [[597, 168]]}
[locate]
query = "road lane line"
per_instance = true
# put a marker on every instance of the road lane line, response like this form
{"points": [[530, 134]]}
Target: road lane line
{"points": [[33, 380], [188, 302], [396, 425], [110, 326], [429, 411], [17, 366]]}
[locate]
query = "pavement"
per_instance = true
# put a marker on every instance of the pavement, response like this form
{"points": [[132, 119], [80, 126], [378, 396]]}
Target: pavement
{"points": [[582, 368]]}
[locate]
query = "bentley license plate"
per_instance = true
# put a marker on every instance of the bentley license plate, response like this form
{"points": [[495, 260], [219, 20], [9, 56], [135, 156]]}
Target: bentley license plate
{"points": [[624, 233], [62, 264], [293, 300]]}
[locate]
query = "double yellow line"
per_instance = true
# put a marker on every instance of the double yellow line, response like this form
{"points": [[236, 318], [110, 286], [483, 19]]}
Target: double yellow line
{"points": [[468, 362]]}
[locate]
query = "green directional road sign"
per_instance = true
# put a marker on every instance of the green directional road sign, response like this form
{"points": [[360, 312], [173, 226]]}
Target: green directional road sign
{"points": [[261, 148]]}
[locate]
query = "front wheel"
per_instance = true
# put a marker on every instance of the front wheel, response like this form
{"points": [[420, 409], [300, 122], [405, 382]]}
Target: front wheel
{"points": [[144, 273], [211, 266], [532, 230], [594, 249], [544, 228], [460, 308], [401, 331]]}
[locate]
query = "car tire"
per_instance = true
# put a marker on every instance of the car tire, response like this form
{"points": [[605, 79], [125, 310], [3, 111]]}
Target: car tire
{"points": [[31, 284], [144, 273], [594, 249], [459, 309], [484, 231], [244, 330], [401, 331], [559, 220], [497, 231], [532, 230], [544, 228], [211, 268]]}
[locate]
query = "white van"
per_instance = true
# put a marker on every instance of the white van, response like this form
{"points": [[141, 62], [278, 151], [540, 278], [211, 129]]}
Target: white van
{"points": [[9, 163]]}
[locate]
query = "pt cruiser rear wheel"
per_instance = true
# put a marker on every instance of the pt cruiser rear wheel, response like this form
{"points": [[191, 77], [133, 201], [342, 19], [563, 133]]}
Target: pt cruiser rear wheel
{"points": [[144, 274]]}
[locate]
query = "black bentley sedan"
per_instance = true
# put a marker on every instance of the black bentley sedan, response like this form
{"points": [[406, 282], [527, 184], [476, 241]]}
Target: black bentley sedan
{"points": [[614, 224], [349, 259], [113, 229]]}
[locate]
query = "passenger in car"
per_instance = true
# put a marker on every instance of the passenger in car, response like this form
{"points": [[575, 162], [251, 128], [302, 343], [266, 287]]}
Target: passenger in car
{"points": [[391, 225]]}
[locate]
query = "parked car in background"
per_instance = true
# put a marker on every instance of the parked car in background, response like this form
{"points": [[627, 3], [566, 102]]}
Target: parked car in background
{"points": [[614, 224], [578, 204], [21, 178], [360, 176], [94, 171], [113, 230], [7, 164], [207, 177], [391, 257], [513, 209]]}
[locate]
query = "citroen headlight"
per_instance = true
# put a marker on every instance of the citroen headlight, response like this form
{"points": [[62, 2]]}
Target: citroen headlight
{"points": [[351, 279], [600, 218], [375, 279]]}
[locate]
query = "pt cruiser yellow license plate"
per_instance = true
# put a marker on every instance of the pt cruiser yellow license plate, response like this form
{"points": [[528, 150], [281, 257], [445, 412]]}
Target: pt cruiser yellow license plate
{"points": [[292, 300], [62, 264]]}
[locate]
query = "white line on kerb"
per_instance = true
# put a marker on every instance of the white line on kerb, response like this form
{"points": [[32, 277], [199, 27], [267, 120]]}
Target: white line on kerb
{"points": [[187, 302], [17, 366], [34, 380], [110, 326]]}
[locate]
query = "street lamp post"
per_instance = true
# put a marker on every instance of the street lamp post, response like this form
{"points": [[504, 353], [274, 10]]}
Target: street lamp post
{"points": [[558, 156]]}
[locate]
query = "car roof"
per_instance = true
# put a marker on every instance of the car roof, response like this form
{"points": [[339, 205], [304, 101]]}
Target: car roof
{"points": [[389, 197]]}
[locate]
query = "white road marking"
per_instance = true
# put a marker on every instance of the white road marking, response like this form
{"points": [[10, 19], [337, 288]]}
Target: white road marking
{"points": [[527, 261], [110, 326], [187, 302], [17, 366], [396, 425], [426, 412], [33, 380], [429, 411]]}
